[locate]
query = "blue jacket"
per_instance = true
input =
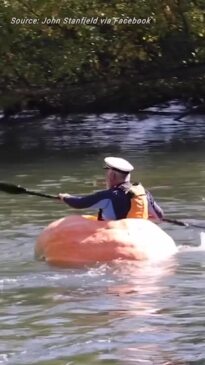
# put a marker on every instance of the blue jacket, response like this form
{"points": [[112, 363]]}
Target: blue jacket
{"points": [[114, 203]]}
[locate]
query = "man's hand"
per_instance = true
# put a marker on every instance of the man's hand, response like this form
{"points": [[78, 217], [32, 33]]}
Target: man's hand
{"points": [[62, 196]]}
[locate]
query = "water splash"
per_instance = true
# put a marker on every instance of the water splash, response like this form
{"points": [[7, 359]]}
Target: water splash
{"points": [[199, 247], [202, 237]]}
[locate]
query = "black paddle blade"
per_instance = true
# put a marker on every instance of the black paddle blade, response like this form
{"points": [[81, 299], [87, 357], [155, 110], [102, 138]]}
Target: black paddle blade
{"points": [[11, 188], [17, 189]]}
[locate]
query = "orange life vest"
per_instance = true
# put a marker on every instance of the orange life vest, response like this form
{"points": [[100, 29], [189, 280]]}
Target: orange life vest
{"points": [[139, 202]]}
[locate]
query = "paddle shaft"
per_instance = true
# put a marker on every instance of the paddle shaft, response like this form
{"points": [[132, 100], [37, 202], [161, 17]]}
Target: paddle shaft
{"points": [[180, 223], [30, 192]]}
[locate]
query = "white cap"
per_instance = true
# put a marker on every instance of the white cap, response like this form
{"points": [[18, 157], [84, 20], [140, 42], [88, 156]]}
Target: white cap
{"points": [[119, 164]]}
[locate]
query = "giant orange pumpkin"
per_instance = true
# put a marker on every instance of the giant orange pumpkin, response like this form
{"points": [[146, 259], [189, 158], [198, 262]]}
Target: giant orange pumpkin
{"points": [[81, 240]]}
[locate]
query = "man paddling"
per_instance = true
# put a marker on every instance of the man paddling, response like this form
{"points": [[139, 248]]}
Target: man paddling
{"points": [[121, 199]]}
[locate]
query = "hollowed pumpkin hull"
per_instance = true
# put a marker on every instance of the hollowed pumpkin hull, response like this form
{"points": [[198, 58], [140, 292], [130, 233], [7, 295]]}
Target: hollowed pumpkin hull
{"points": [[81, 240]]}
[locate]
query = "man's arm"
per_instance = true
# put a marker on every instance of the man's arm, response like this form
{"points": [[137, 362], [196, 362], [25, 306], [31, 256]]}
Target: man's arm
{"points": [[96, 200]]}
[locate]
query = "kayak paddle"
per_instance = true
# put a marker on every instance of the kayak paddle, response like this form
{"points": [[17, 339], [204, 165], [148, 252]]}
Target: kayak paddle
{"points": [[17, 189]]}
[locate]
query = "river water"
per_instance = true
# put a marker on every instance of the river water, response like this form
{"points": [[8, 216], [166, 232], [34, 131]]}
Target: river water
{"points": [[121, 313]]}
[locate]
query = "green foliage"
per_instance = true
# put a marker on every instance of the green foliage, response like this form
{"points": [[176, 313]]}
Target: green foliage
{"points": [[38, 57]]}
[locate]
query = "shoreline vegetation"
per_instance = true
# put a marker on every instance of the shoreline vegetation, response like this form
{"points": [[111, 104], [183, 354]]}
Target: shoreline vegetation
{"points": [[114, 56]]}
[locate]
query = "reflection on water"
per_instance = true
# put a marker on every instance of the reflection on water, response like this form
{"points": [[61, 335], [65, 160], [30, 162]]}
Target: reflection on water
{"points": [[140, 313], [123, 313], [99, 132]]}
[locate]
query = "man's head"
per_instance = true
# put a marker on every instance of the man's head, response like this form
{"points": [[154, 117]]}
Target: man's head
{"points": [[117, 171]]}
